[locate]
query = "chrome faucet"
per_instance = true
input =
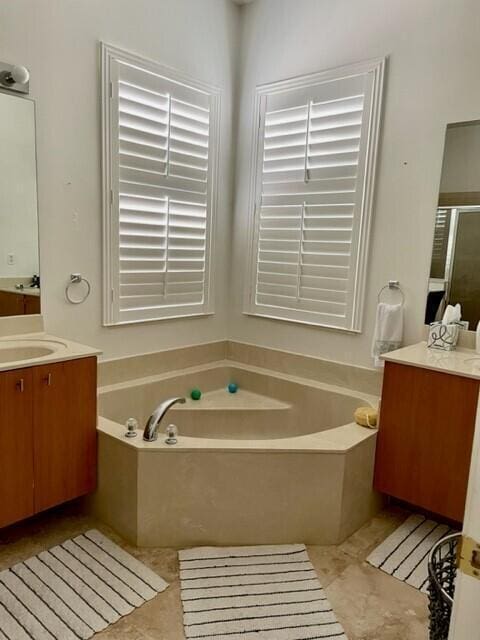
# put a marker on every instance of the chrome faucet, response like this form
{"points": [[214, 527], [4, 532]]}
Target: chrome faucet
{"points": [[150, 432]]}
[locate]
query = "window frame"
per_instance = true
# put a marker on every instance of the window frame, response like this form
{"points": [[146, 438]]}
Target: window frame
{"points": [[375, 67], [110, 192]]}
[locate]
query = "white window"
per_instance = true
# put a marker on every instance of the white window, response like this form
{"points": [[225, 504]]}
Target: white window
{"points": [[314, 165], [160, 135]]}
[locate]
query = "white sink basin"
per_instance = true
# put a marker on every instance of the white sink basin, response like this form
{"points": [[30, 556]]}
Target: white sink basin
{"points": [[25, 350]]}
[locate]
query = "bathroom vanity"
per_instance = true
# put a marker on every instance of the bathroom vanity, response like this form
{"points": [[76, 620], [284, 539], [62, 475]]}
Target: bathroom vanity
{"points": [[48, 386], [427, 422], [48, 416], [19, 303]]}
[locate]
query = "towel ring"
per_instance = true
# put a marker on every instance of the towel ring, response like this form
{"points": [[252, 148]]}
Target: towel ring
{"points": [[392, 284], [77, 278]]}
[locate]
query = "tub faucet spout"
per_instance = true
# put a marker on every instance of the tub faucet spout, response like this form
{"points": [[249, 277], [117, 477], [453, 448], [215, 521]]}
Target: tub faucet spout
{"points": [[150, 432]]}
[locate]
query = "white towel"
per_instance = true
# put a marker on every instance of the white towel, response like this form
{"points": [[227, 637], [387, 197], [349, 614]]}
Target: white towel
{"points": [[388, 330]]}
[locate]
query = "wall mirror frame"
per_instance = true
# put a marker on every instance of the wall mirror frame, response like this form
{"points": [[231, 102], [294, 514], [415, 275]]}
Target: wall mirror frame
{"points": [[455, 264], [19, 237]]}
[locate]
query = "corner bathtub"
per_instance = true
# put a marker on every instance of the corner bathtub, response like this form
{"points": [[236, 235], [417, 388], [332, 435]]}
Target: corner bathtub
{"points": [[280, 461]]}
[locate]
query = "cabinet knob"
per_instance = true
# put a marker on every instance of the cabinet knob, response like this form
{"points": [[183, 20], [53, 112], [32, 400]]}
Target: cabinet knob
{"points": [[20, 385], [48, 379]]}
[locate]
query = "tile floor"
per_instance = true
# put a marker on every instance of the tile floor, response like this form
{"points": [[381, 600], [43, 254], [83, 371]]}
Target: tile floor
{"points": [[370, 604]]}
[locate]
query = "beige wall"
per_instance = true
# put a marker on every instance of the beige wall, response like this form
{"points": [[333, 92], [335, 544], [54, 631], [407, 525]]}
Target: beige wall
{"points": [[432, 79], [58, 41]]}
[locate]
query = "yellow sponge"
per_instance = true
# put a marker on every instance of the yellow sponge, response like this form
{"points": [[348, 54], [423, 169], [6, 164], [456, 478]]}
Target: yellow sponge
{"points": [[366, 417]]}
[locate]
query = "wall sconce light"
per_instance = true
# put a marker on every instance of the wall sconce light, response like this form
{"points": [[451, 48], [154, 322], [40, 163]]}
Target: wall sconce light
{"points": [[14, 77]]}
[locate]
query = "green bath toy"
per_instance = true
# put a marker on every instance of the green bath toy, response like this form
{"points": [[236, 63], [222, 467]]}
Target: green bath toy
{"points": [[195, 394]]}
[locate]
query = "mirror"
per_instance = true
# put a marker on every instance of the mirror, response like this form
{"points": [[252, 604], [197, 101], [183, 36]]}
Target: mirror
{"points": [[19, 261], [455, 266]]}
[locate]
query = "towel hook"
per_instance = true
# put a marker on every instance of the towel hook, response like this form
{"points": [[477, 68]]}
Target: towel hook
{"points": [[392, 284], [77, 278]]}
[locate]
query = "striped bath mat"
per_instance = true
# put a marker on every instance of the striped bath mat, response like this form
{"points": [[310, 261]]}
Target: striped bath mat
{"points": [[404, 554], [73, 590], [242, 593]]}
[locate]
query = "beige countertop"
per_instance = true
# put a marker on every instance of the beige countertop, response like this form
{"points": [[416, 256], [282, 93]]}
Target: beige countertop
{"points": [[32, 349], [460, 362], [26, 291]]}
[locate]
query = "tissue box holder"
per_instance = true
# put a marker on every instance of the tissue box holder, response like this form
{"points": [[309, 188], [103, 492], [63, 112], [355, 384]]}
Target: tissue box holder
{"points": [[443, 336]]}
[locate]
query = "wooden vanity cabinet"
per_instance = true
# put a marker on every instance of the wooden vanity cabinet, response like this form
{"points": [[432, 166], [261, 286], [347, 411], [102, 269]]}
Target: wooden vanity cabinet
{"points": [[48, 451], [11, 304], [64, 424], [424, 444], [18, 304], [31, 304], [16, 449]]}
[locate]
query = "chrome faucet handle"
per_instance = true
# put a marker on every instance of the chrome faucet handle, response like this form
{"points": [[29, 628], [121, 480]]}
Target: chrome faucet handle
{"points": [[171, 433], [132, 426], [150, 432]]}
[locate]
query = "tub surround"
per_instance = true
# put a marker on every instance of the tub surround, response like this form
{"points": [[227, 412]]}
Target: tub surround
{"points": [[119, 370], [310, 480], [304, 428], [326, 371], [336, 373], [307, 406], [231, 497], [339, 440]]}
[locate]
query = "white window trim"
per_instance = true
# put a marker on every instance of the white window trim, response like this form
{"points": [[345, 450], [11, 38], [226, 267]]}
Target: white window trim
{"points": [[377, 67], [110, 220]]}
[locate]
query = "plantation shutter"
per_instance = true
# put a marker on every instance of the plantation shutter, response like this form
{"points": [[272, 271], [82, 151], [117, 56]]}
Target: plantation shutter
{"points": [[314, 156], [162, 156], [440, 244]]}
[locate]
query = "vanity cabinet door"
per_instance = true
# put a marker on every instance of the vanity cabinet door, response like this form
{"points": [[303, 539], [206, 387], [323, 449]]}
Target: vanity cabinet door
{"points": [[425, 438], [65, 439], [11, 304], [32, 304], [16, 446]]}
